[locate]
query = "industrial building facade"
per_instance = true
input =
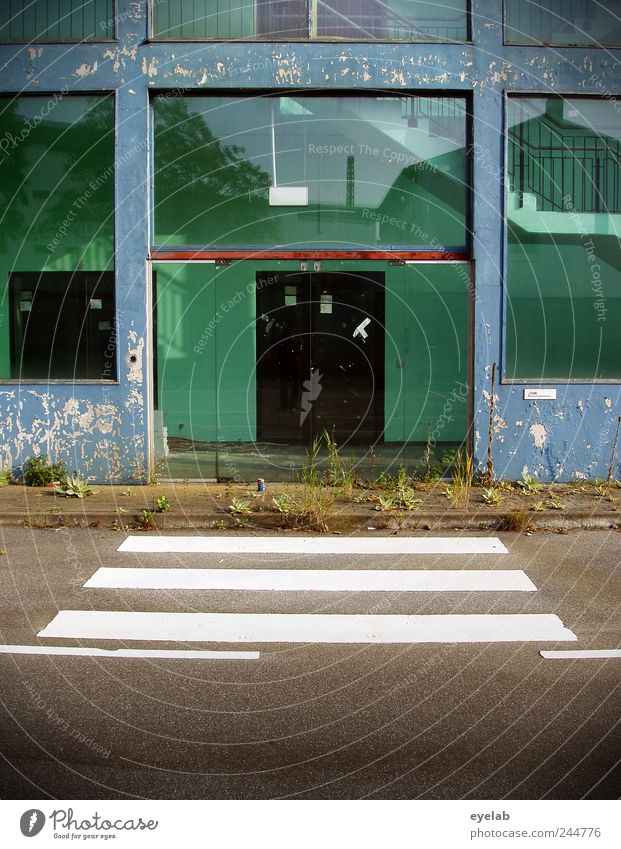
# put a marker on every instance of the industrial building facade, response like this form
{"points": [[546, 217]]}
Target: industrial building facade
{"points": [[230, 228]]}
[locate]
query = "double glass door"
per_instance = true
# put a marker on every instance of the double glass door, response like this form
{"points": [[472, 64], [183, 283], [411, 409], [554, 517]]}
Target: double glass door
{"points": [[320, 356]]}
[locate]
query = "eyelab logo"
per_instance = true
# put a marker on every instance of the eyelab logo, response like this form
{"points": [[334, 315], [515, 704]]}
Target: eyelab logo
{"points": [[32, 822]]}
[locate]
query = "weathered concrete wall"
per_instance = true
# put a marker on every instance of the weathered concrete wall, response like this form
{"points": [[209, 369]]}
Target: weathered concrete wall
{"points": [[103, 430]]}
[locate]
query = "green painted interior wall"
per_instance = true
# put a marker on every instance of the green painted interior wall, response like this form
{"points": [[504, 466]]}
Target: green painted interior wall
{"points": [[205, 350], [427, 331], [56, 191], [563, 306]]}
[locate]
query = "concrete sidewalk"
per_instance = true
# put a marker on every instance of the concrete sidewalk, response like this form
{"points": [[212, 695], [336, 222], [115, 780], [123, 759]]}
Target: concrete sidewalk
{"points": [[208, 506]]}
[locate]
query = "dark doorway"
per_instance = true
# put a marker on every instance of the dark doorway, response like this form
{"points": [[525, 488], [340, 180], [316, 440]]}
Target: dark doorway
{"points": [[320, 356]]}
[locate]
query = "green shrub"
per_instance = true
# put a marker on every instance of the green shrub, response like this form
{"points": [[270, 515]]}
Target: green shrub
{"points": [[37, 471]]}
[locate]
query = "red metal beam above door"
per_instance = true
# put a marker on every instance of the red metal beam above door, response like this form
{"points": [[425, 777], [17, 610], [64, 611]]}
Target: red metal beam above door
{"points": [[418, 256]]}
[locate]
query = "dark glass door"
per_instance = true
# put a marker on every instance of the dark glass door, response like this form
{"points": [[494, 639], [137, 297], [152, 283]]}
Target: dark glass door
{"points": [[320, 356]]}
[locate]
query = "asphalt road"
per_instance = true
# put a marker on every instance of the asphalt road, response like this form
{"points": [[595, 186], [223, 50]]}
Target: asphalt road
{"points": [[433, 721]]}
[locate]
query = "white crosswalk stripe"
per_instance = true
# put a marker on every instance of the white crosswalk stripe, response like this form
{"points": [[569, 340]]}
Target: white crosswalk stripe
{"points": [[313, 545], [305, 627], [266, 627], [155, 654], [307, 580]]}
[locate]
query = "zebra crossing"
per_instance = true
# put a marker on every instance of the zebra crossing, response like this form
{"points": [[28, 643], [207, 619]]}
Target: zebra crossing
{"points": [[230, 628]]}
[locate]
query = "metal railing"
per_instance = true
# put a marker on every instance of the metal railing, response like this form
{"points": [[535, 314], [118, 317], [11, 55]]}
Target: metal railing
{"points": [[555, 166], [376, 19], [369, 20]]}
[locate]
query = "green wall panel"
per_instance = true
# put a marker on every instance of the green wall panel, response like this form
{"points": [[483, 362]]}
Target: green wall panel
{"points": [[205, 351], [427, 331]]}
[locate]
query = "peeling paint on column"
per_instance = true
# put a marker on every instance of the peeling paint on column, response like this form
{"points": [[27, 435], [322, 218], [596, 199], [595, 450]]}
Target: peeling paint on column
{"points": [[135, 350], [118, 57], [85, 70], [149, 67], [539, 434]]}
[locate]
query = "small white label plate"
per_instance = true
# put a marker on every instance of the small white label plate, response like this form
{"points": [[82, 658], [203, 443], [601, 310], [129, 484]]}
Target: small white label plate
{"points": [[540, 394], [288, 195]]}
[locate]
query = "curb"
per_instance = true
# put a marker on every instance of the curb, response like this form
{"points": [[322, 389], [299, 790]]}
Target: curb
{"points": [[340, 522]]}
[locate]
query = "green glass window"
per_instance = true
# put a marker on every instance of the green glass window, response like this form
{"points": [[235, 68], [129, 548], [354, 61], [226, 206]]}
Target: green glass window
{"points": [[568, 23], [359, 20], [57, 236], [563, 279], [304, 170], [56, 20]]}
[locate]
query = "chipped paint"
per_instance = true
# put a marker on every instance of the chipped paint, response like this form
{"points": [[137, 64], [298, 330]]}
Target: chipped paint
{"points": [[135, 350], [539, 434], [118, 57], [149, 67], [85, 70]]}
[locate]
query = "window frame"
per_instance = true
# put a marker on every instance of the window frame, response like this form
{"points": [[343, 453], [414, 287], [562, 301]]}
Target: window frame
{"points": [[261, 39], [10, 381], [504, 378], [159, 253], [104, 40], [536, 46]]}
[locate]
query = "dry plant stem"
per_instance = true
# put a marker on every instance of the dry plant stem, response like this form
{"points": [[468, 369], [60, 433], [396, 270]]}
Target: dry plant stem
{"points": [[614, 450], [428, 454], [490, 459]]}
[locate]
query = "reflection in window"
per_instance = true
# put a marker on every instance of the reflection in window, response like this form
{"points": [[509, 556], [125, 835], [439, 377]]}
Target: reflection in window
{"points": [[570, 23], [376, 171], [56, 20], [57, 202], [384, 20], [564, 223], [62, 326]]}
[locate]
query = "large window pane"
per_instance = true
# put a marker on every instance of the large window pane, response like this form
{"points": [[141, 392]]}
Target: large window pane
{"points": [[56, 20], [570, 23], [384, 20], [56, 234], [59, 322], [563, 255], [357, 172]]}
